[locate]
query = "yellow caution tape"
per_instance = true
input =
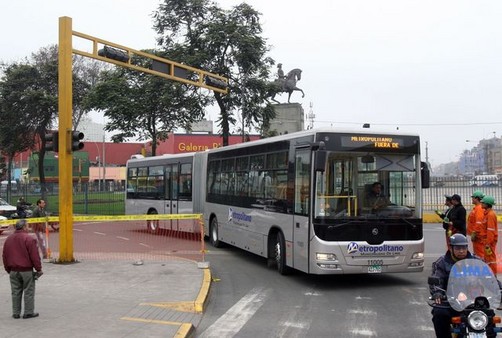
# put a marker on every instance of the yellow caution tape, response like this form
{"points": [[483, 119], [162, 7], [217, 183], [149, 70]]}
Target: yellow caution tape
{"points": [[104, 218]]}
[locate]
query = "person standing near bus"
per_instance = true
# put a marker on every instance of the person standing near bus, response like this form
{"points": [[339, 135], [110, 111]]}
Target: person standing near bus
{"points": [[489, 241], [457, 219], [475, 224], [444, 216]]}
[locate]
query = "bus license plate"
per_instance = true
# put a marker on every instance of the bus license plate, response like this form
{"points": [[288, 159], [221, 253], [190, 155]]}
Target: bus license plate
{"points": [[375, 269]]}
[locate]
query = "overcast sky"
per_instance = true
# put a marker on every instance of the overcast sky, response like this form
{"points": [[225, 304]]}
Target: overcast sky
{"points": [[428, 67]]}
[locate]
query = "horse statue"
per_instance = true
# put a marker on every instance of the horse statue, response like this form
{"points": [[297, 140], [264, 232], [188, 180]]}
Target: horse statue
{"points": [[287, 85]]}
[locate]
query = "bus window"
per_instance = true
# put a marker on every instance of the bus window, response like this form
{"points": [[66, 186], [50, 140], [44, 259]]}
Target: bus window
{"points": [[302, 181]]}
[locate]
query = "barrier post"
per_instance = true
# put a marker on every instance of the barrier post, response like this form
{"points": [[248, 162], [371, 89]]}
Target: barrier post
{"points": [[203, 264], [48, 248]]}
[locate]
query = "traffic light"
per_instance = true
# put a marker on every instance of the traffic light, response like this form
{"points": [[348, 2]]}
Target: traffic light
{"points": [[76, 143], [51, 141], [114, 54], [216, 83]]}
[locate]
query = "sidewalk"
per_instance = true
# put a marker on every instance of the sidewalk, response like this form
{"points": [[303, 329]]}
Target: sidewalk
{"points": [[111, 299]]}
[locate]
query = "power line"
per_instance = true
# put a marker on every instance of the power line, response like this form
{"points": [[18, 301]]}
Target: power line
{"points": [[415, 124]]}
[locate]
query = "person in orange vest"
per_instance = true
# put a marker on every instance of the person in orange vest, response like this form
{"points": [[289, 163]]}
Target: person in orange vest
{"points": [[475, 224], [490, 237]]}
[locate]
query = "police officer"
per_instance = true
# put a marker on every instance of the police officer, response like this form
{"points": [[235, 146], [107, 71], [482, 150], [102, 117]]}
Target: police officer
{"points": [[441, 316]]}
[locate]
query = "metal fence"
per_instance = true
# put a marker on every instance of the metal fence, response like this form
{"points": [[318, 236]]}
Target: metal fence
{"points": [[87, 200], [434, 197]]}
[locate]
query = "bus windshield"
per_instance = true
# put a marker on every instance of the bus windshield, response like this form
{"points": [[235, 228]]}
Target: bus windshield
{"points": [[366, 186]]}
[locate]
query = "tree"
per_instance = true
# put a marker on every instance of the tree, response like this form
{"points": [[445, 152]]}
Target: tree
{"points": [[29, 101], [226, 42], [145, 106], [19, 98]]}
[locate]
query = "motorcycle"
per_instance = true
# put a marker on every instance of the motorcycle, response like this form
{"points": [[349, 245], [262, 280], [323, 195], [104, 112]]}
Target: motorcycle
{"points": [[23, 211], [474, 292]]}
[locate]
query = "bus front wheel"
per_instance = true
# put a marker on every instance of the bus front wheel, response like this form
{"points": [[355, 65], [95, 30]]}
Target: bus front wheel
{"points": [[213, 231], [280, 254], [152, 225]]}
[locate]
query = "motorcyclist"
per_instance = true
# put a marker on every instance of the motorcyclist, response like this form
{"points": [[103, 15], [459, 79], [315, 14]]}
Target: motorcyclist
{"points": [[441, 316], [21, 207]]}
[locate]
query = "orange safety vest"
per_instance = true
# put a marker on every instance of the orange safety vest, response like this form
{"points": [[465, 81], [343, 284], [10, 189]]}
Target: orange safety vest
{"points": [[475, 220]]}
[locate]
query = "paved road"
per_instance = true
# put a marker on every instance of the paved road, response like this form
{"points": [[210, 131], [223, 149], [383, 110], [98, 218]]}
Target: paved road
{"points": [[249, 300]]}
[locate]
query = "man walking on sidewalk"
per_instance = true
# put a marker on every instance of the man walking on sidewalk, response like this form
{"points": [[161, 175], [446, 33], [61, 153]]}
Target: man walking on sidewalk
{"points": [[20, 259], [39, 228]]}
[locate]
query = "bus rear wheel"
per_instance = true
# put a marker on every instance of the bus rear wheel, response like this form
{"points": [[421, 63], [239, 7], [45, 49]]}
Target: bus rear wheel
{"points": [[213, 234], [280, 254], [152, 225]]}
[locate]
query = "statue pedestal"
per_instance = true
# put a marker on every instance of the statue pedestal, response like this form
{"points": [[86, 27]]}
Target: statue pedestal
{"points": [[289, 118]]}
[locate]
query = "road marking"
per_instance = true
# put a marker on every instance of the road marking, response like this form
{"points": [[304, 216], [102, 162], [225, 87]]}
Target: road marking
{"points": [[80, 230], [237, 316], [100, 233], [367, 333], [146, 245], [124, 238]]}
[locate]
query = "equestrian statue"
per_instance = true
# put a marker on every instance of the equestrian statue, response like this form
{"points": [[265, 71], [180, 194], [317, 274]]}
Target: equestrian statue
{"points": [[285, 84]]}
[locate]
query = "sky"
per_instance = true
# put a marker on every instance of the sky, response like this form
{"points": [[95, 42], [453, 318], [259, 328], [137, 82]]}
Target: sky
{"points": [[427, 67]]}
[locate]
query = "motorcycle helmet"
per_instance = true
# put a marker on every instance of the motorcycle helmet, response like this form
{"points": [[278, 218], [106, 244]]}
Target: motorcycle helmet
{"points": [[488, 200], [478, 194], [458, 240]]}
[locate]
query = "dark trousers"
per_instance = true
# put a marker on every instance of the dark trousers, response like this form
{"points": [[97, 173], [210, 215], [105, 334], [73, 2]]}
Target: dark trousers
{"points": [[22, 282]]}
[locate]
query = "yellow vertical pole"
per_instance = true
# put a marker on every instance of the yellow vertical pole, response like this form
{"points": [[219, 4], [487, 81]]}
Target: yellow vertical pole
{"points": [[65, 127]]}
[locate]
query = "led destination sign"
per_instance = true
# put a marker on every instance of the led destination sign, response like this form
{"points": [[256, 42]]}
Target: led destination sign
{"points": [[372, 142]]}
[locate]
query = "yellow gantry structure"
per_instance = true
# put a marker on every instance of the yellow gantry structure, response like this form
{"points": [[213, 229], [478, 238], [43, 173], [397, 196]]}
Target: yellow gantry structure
{"points": [[161, 67]]}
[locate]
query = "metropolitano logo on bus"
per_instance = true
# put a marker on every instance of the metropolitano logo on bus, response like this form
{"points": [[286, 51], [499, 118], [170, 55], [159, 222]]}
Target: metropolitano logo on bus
{"points": [[238, 217], [372, 250]]}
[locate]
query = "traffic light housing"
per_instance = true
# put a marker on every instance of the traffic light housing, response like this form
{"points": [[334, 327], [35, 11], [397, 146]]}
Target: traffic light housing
{"points": [[216, 83], [114, 54], [76, 141], [52, 141]]}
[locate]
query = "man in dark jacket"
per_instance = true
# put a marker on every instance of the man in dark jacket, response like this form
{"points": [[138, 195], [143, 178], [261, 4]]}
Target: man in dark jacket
{"points": [[441, 317], [22, 262], [457, 218]]}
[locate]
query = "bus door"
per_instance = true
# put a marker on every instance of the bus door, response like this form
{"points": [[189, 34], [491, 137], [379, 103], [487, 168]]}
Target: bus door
{"points": [[301, 225], [171, 206]]}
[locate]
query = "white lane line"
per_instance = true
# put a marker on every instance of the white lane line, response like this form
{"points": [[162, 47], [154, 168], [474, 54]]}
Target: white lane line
{"points": [[80, 230], [100, 233], [124, 238], [148, 246], [237, 316]]}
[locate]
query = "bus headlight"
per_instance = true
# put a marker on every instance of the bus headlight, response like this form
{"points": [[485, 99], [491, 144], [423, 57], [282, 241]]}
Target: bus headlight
{"points": [[477, 320], [417, 255], [325, 256]]}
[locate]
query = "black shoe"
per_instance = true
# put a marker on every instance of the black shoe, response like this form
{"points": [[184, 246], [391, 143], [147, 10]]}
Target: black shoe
{"points": [[30, 315], [16, 316]]}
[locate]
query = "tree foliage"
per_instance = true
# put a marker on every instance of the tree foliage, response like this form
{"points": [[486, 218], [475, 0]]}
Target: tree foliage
{"points": [[145, 106], [29, 101], [226, 42]]}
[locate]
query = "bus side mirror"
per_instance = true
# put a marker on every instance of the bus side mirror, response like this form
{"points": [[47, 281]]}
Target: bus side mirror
{"points": [[320, 160], [425, 175]]}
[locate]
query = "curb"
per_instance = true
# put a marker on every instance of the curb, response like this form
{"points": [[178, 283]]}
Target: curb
{"points": [[187, 330]]}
